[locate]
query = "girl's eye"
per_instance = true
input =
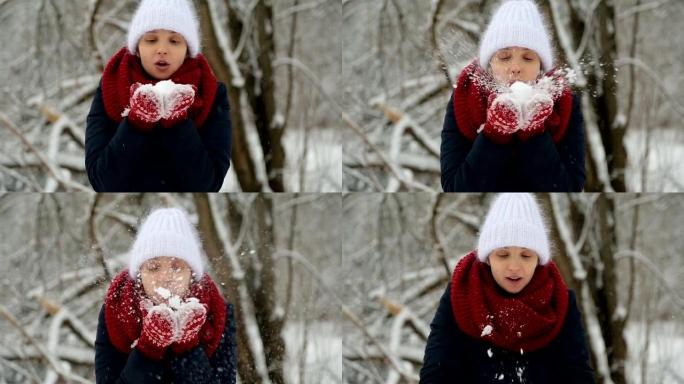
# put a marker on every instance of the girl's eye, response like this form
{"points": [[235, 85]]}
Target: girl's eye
{"points": [[504, 58], [526, 256], [503, 254]]}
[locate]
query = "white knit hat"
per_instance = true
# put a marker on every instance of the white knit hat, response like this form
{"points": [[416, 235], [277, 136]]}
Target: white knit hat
{"points": [[514, 219], [517, 23], [166, 232], [174, 15]]}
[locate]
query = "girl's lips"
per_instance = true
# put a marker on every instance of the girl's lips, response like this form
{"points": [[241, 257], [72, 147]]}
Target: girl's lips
{"points": [[161, 65]]}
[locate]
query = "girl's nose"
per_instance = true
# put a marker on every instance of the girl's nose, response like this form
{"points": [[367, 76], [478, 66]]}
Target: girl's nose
{"points": [[513, 267]]}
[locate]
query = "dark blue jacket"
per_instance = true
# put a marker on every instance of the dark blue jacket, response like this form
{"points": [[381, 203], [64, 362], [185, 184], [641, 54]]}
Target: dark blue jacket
{"points": [[114, 366], [120, 158], [538, 165], [453, 357]]}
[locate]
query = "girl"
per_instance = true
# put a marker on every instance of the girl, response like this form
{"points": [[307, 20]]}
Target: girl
{"points": [[160, 120], [500, 135], [163, 319], [507, 315]]}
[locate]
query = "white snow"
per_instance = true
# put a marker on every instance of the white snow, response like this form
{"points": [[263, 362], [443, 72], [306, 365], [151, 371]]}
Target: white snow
{"points": [[660, 151], [313, 164], [164, 88], [489, 352], [522, 92], [164, 91], [662, 356], [519, 371], [163, 292], [486, 331], [316, 348], [175, 302], [501, 376]]}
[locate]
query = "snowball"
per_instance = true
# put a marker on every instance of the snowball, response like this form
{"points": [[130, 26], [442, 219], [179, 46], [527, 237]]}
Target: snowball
{"points": [[164, 88], [501, 376], [489, 352], [486, 331], [522, 92], [163, 292], [175, 302]]}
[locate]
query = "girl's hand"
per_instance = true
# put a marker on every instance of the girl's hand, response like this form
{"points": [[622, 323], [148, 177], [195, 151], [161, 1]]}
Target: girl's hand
{"points": [[145, 107], [158, 331], [502, 118], [539, 108], [177, 104], [191, 318]]}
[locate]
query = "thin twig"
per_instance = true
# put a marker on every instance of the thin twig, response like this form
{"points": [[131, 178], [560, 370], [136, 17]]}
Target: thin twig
{"points": [[55, 365], [54, 173]]}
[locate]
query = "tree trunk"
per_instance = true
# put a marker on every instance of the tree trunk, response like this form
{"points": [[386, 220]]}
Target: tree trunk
{"points": [[226, 282], [263, 102], [612, 327], [606, 106], [270, 321], [240, 156], [602, 88]]}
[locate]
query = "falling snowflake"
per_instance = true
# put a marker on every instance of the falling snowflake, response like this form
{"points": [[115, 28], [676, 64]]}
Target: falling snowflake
{"points": [[486, 331]]}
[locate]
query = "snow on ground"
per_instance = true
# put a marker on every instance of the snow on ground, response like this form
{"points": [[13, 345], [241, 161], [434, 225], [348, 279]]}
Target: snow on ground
{"points": [[665, 353], [665, 163], [323, 352], [323, 169]]}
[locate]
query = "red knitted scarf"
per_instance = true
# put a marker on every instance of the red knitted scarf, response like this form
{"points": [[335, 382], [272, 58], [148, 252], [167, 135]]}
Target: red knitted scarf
{"points": [[125, 69], [473, 87], [123, 314], [528, 320]]}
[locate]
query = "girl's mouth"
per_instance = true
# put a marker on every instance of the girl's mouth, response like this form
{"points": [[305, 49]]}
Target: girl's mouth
{"points": [[514, 280], [161, 65]]}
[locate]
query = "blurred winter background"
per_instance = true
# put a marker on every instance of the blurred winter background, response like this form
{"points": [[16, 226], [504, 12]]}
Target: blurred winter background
{"points": [[621, 254], [280, 60], [60, 250], [401, 57]]}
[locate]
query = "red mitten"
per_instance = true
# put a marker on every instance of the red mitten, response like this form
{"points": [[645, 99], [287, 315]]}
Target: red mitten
{"points": [[145, 107], [502, 118], [191, 318], [177, 103], [158, 332], [539, 108]]}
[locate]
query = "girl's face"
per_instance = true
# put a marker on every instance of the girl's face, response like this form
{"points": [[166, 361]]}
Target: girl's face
{"points": [[515, 64], [165, 272], [162, 52], [513, 267]]}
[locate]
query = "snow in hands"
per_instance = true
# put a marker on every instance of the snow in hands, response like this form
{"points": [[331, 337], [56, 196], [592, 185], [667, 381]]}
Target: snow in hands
{"points": [[181, 309], [523, 97], [522, 92], [174, 301], [169, 94]]}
